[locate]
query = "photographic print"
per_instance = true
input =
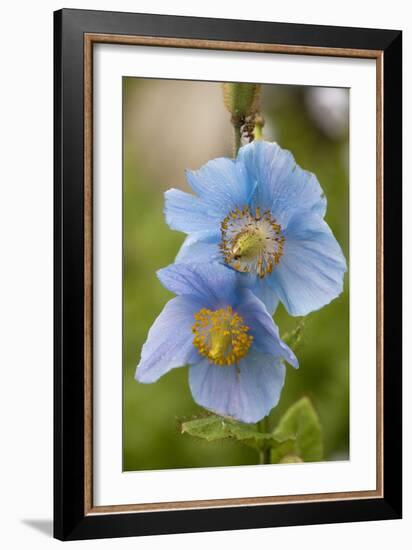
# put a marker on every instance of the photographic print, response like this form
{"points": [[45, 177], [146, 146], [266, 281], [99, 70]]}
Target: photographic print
{"points": [[235, 274], [227, 315]]}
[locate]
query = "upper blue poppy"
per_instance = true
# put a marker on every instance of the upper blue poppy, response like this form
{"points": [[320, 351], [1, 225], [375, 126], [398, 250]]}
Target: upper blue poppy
{"points": [[263, 216], [225, 334]]}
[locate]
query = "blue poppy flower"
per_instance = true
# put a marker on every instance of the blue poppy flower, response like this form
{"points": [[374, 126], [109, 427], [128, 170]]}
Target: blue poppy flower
{"points": [[226, 336], [261, 215]]}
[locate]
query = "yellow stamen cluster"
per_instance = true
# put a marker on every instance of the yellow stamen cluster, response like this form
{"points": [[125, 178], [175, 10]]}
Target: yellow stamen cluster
{"points": [[221, 335], [251, 242]]}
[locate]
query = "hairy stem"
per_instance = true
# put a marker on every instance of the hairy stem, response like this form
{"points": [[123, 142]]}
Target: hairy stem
{"points": [[237, 135], [264, 451], [264, 456]]}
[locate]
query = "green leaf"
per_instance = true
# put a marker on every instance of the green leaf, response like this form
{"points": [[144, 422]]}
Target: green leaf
{"points": [[290, 459], [212, 428], [301, 423]]}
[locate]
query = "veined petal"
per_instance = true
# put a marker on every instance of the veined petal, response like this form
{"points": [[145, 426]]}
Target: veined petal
{"points": [[265, 333], [246, 394], [223, 184], [260, 288], [282, 186], [187, 213], [200, 248], [212, 284], [169, 342], [311, 271]]}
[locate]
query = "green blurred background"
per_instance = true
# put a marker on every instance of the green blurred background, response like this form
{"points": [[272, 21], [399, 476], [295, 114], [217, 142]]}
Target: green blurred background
{"points": [[173, 125]]}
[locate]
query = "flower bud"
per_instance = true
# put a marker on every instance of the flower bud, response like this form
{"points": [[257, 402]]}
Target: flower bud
{"points": [[241, 100]]}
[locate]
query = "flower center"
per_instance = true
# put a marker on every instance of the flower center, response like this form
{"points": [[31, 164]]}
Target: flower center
{"points": [[251, 243], [221, 335]]}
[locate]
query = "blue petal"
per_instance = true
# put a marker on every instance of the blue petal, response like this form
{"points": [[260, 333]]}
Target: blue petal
{"points": [[169, 342], [282, 186], [265, 333], [247, 394], [311, 271], [223, 185], [213, 284], [260, 288], [187, 213], [200, 248]]}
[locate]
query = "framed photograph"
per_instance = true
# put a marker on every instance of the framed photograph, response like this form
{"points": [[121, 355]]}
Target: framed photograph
{"points": [[227, 274]]}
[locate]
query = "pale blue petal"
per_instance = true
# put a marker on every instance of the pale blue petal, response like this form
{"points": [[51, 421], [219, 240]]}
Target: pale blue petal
{"points": [[169, 342], [213, 284], [187, 213], [265, 333], [311, 271], [200, 248], [260, 288], [282, 186], [247, 394], [222, 184]]}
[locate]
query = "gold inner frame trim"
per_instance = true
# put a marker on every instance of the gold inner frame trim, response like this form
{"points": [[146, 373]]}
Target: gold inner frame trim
{"points": [[89, 40]]}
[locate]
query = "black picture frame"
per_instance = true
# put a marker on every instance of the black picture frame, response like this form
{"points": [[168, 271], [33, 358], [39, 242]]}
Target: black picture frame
{"points": [[71, 521]]}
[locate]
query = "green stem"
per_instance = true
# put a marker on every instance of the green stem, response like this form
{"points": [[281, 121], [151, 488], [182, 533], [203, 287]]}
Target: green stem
{"points": [[259, 123], [264, 456], [258, 132], [263, 425], [237, 134], [264, 451]]}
